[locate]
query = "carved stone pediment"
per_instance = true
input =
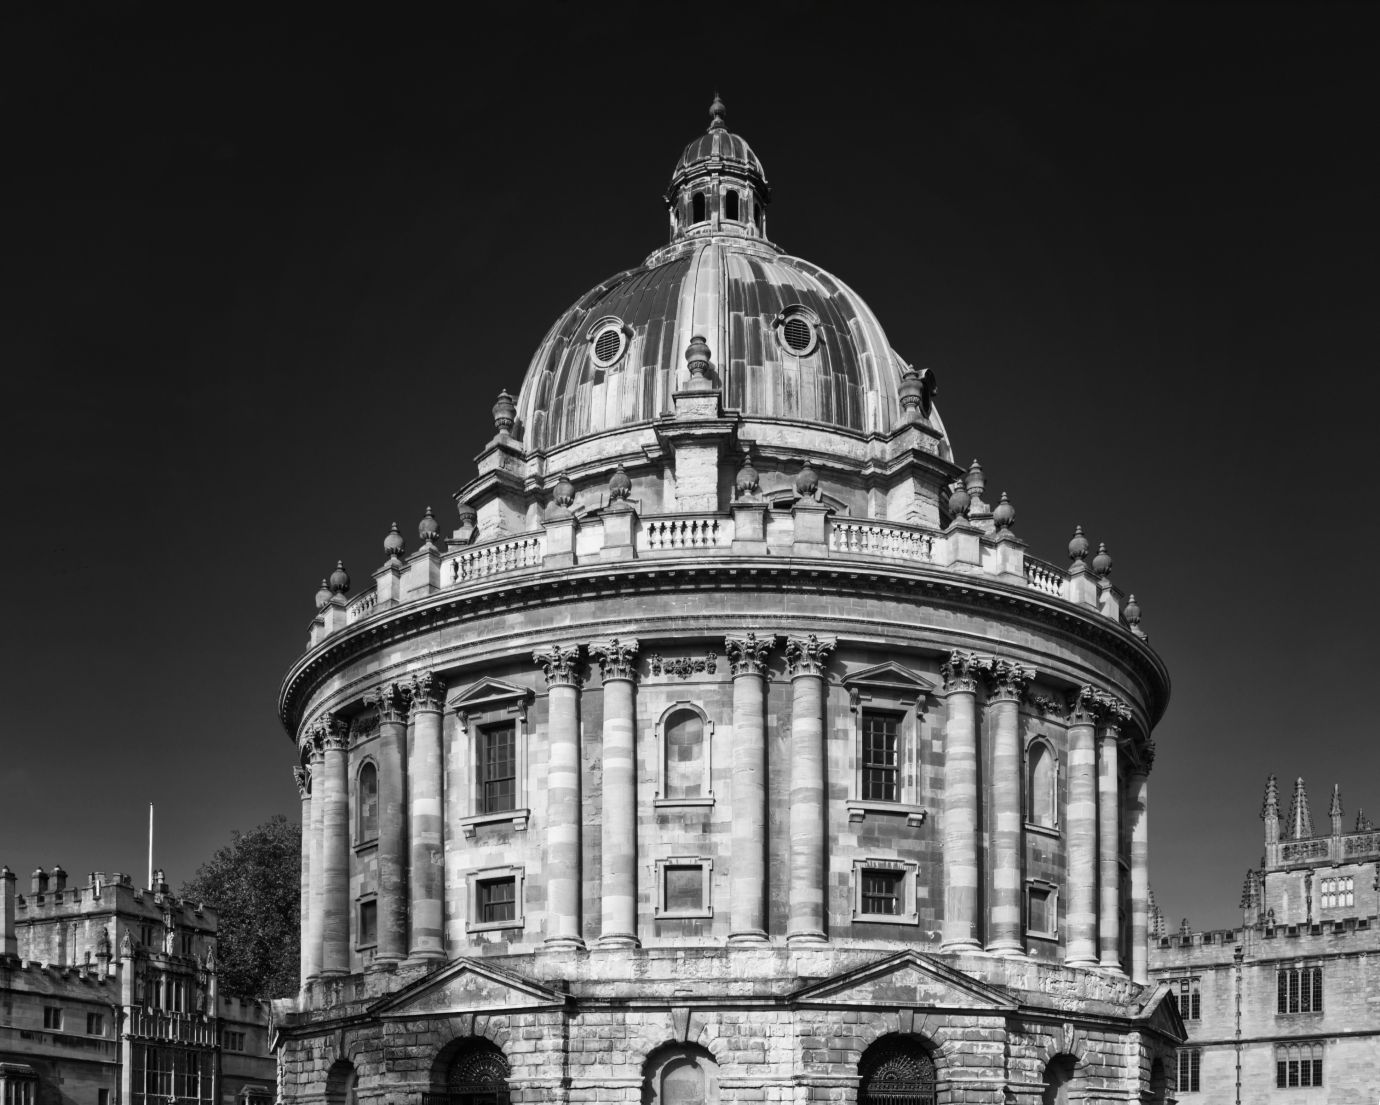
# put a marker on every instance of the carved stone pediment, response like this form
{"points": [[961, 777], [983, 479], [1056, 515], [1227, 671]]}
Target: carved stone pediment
{"points": [[468, 986], [907, 979], [489, 696], [1160, 1013], [889, 682]]}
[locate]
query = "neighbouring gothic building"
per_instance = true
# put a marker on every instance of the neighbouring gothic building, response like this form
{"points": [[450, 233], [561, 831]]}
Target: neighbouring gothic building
{"points": [[1287, 1007], [109, 996], [731, 747]]}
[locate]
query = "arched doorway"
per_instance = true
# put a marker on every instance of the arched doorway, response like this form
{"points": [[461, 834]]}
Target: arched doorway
{"points": [[340, 1083], [683, 1074], [1058, 1076], [470, 1072], [896, 1070]]}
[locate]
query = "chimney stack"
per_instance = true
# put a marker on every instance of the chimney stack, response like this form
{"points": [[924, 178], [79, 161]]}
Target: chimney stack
{"points": [[59, 879], [39, 881]]}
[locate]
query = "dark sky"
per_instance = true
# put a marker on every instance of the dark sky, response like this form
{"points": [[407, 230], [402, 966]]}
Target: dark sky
{"points": [[264, 272]]}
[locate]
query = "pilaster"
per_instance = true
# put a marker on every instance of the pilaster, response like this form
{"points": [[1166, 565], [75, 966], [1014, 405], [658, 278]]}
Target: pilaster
{"points": [[747, 658], [561, 666], [807, 916], [617, 660]]}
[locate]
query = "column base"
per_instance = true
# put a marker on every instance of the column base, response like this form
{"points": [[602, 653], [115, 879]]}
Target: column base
{"points": [[795, 939], [563, 944], [749, 938], [968, 945], [336, 972], [1085, 962], [416, 958], [1112, 968], [617, 940], [1009, 948]]}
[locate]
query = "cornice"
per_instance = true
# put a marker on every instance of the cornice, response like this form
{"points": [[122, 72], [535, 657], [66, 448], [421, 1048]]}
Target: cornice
{"points": [[994, 597]]}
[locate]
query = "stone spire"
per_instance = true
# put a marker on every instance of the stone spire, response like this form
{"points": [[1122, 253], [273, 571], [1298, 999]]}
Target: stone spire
{"points": [[1300, 825], [1334, 811], [1250, 895], [1269, 811], [1156, 917]]}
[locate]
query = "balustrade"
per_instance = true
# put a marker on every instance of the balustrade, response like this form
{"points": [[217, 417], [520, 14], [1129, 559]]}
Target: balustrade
{"points": [[504, 556], [362, 606], [880, 539], [1045, 577], [666, 534]]}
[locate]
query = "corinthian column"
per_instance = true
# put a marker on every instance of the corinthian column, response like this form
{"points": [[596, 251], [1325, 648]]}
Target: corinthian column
{"points": [[747, 657], [1007, 683], [1112, 714], [426, 695], [618, 864], [335, 852], [806, 917], [302, 777], [1080, 948], [960, 928], [560, 664], [1140, 864], [392, 853], [313, 936]]}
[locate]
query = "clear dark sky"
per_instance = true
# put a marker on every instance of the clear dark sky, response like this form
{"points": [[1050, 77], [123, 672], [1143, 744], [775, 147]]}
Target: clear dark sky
{"points": [[264, 272]]}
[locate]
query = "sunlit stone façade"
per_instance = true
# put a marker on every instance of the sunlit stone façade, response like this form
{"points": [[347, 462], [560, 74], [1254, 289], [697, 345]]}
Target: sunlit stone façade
{"points": [[731, 748]]}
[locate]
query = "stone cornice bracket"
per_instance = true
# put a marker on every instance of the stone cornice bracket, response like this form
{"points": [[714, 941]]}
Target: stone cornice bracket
{"points": [[1145, 758], [617, 658], [1111, 713], [1007, 681], [425, 691], [390, 700], [302, 777], [335, 734], [960, 672], [560, 664], [807, 655], [747, 654]]}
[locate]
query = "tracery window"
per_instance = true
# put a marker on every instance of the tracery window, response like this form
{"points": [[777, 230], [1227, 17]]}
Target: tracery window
{"points": [[1298, 1065], [1338, 893], [367, 801], [896, 1070], [1041, 785], [477, 1075], [1189, 1061], [1190, 1001], [1299, 990]]}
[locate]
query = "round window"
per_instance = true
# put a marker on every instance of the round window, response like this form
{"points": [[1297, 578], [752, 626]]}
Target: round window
{"points": [[797, 334], [609, 344]]}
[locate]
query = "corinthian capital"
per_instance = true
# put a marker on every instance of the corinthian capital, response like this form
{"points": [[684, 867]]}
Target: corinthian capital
{"points": [[425, 691], [617, 658], [1080, 706], [807, 655], [1007, 681], [960, 672], [560, 664], [747, 655], [335, 734], [1110, 712], [391, 702], [302, 777]]}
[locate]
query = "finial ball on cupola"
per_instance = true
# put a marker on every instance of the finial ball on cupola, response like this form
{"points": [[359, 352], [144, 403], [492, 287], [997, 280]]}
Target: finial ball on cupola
{"points": [[505, 412], [1004, 517], [1102, 562], [323, 596], [747, 481], [393, 544], [807, 481], [564, 492], [974, 480], [697, 357], [340, 579], [959, 500], [1078, 546], [620, 485], [428, 529]]}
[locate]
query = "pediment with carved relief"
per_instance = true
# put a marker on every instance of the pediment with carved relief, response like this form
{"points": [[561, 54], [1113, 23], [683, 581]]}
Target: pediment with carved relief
{"points": [[469, 986], [907, 979]]}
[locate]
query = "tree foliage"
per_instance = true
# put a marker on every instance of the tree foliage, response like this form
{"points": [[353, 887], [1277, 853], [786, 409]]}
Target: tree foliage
{"points": [[254, 884]]}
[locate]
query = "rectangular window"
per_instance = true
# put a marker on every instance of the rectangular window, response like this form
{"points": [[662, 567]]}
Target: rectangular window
{"points": [[1299, 990], [497, 901], [95, 1024], [1041, 916], [883, 892], [497, 768], [102, 1097], [186, 940], [368, 923], [1298, 1066], [881, 767], [52, 1018], [232, 1041], [683, 887], [1189, 1000], [1189, 1062], [146, 936]]}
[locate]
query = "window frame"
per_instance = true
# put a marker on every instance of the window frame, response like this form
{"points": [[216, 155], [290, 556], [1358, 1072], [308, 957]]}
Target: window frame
{"points": [[1292, 1060], [95, 1024], [52, 1018], [362, 839], [706, 796], [361, 944], [1051, 751], [706, 865], [1188, 986], [1194, 1055], [1051, 890], [484, 740], [478, 708], [894, 690], [1292, 983], [909, 871], [474, 878]]}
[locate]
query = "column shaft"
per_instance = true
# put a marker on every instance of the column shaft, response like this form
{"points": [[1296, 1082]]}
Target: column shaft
{"points": [[749, 797], [960, 927], [335, 856], [618, 921], [1005, 931], [1140, 877], [806, 914], [563, 816], [1108, 840], [426, 825], [303, 777], [1080, 831], [393, 856], [312, 939]]}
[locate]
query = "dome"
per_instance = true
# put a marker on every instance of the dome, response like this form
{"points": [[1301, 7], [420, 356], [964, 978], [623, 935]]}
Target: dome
{"points": [[788, 340]]}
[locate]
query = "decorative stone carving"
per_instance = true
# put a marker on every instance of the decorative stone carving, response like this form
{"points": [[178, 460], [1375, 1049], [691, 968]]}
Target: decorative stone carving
{"points": [[684, 666], [1078, 547], [425, 691], [807, 655], [391, 702], [505, 413], [746, 484], [393, 546], [960, 670], [620, 485], [1007, 681], [302, 776], [560, 664], [126, 946], [617, 658], [697, 360], [747, 655], [428, 529], [335, 735], [1109, 710]]}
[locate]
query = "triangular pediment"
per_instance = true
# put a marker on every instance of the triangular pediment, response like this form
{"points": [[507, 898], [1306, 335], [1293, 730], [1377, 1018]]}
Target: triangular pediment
{"points": [[892, 678], [468, 986], [489, 694], [1161, 1014], [907, 979]]}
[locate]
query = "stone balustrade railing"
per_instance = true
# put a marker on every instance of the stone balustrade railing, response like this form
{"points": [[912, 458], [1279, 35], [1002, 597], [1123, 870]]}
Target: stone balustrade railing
{"points": [[596, 538]]}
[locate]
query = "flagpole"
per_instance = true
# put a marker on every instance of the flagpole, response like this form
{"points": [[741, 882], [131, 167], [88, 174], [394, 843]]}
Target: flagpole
{"points": [[149, 884]]}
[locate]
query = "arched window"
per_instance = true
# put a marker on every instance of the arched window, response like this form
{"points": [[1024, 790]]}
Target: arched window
{"points": [[477, 1074], [680, 1075], [896, 1070], [697, 208], [1041, 797], [1058, 1076], [731, 205], [685, 775], [368, 802]]}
